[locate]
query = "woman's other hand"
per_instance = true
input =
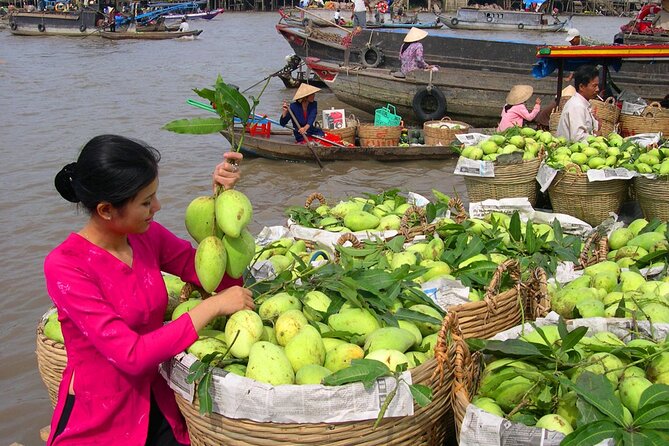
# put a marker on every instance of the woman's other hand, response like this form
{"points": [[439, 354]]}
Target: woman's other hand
{"points": [[284, 109], [227, 173], [537, 101]]}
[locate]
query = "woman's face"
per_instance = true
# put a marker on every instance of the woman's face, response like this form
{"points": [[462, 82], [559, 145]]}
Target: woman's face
{"points": [[137, 214], [311, 97]]}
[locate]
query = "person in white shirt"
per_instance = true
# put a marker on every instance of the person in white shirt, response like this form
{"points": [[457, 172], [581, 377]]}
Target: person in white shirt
{"points": [[184, 25], [359, 16], [577, 121]]}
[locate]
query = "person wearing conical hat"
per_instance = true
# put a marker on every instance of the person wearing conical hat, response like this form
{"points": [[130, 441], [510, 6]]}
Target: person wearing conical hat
{"points": [[411, 52], [304, 110], [514, 111], [542, 120]]}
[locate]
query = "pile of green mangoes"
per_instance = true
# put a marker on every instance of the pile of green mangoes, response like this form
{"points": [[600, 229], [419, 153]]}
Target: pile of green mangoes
{"points": [[523, 140], [528, 389], [653, 160], [218, 225], [282, 253], [630, 244]]}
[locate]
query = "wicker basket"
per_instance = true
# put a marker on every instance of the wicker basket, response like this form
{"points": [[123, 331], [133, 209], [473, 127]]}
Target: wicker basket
{"points": [[429, 426], [442, 133], [51, 361], [657, 110], [500, 311], [347, 133], [606, 113], [372, 136], [652, 120], [554, 120], [653, 196], [573, 194], [595, 249], [510, 180]]}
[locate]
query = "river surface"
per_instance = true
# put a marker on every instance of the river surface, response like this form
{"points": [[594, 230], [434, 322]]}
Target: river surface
{"points": [[57, 93]]}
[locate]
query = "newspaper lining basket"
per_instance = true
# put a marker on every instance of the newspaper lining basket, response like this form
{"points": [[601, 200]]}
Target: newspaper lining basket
{"points": [[572, 194], [510, 180], [51, 361], [373, 136], [500, 311], [653, 196], [440, 133], [429, 426]]}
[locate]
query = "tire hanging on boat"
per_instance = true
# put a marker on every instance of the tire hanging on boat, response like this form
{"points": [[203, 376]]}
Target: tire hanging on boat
{"points": [[13, 26], [488, 19], [372, 56], [454, 21], [429, 104], [82, 28], [521, 26], [41, 28]]}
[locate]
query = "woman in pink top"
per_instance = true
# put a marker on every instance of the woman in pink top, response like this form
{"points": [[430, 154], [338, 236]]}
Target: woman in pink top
{"points": [[514, 111], [106, 282]]}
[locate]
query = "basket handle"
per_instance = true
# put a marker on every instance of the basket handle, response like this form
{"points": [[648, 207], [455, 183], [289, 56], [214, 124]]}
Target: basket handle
{"points": [[510, 265], [611, 101], [648, 113], [446, 118], [394, 112], [538, 300], [410, 212], [602, 246], [348, 237], [315, 196], [459, 207], [352, 118], [654, 104]]}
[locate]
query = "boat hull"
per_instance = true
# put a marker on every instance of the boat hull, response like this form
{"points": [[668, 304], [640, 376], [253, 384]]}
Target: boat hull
{"points": [[42, 24], [501, 20], [154, 35], [198, 15], [282, 146]]}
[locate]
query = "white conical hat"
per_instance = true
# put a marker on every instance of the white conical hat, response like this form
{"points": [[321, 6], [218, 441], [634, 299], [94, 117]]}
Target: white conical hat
{"points": [[569, 90], [414, 35], [304, 91], [519, 94]]}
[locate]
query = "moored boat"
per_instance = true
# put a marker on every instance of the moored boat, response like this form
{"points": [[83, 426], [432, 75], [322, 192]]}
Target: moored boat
{"points": [[195, 15], [498, 19], [281, 145], [51, 23], [153, 35]]}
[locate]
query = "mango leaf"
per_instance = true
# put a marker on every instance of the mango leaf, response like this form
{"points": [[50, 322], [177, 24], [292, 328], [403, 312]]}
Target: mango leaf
{"points": [[396, 244], [414, 316], [573, 337], [588, 413], [473, 247], [421, 394], [511, 347], [653, 411], [229, 95], [196, 126], [532, 244], [203, 394], [597, 390], [366, 371], [374, 279], [649, 258], [515, 230], [441, 197], [591, 434], [643, 438]]}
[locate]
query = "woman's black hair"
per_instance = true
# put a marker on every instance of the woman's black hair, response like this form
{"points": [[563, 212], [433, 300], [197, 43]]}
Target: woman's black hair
{"points": [[110, 168]]}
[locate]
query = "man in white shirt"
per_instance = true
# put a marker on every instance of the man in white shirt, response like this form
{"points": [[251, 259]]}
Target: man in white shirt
{"points": [[184, 25], [577, 121], [359, 15]]}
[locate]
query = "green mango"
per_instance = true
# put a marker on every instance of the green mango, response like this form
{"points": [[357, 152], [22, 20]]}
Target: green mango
{"points": [[233, 212], [391, 358], [393, 338], [427, 328], [278, 304], [341, 356], [354, 320], [554, 422], [631, 390], [647, 240], [306, 347], [315, 303], [240, 252], [416, 358], [204, 346], [210, 262], [268, 364], [637, 225], [413, 329], [201, 218], [53, 330], [311, 374], [288, 325], [331, 343], [361, 221], [620, 237], [250, 328]]}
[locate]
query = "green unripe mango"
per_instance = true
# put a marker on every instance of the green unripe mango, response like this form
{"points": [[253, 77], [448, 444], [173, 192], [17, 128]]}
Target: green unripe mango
{"points": [[331, 343], [268, 364], [605, 280], [427, 328], [53, 330], [250, 328], [631, 390], [237, 369], [637, 225], [240, 252], [413, 329], [391, 358], [278, 304], [288, 325], [605, 266], [658, 312], [647, 240], [200, 218], [354, 320], [620, 237], [306, 347], [233, 212], [403, 258], [658, 366], [428, 343], [489, 405], [416, 358], [281, 263], [311, 374], [315, 302], [631, 281], [390, 222], [361, 221], [210, 262], [184, 307], [389, 338], [268, 335], [554, 422], [590, 308], [341, 356], [206, 345]]}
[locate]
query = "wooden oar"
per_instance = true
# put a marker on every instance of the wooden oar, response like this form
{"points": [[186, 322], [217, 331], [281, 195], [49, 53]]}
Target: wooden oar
{"points": [[309, 143]]}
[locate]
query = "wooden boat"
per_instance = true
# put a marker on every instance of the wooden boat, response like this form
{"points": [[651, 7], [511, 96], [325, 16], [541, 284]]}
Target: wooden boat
{"points": [[155, 35], [49, 23], [195, 15], [281, 145], [422, 25], [497, 20]]}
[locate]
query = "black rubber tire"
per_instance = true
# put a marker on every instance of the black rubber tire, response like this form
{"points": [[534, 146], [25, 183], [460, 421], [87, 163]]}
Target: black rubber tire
{"points": [[41, 28], [489, 19], [454, 21], [429, 105], [521, 26], [372, 57], [82, 28], [306, 22], [13, 26]]}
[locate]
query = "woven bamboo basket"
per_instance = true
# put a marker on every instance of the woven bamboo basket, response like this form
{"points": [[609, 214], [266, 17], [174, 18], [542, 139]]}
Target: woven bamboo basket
{"points": [[657, 110], [607, 113], [510, 180], [652, 120], [500, 311], [51, 361], [347, 133], [442, 132], [373, 136], [653, 196], [429, 426], [595, 249], [573, 194], [554, 120]]}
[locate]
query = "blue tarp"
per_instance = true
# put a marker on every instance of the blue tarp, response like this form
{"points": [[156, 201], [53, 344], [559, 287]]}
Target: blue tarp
{"points": [[545, 66], [527, 3]]}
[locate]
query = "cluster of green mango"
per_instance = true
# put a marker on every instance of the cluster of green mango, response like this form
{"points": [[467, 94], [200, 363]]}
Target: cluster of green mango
{"points": [[523, 391], [523, 140], [287, 340], [596, 152], [52, 329], [630, 244], [654, 160], [218, 225], [282, 253]]}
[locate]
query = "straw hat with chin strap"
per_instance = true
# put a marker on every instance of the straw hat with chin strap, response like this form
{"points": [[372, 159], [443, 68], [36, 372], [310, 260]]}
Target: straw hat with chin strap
{"points": [[414, 35], [519, 94], [304, 91]]}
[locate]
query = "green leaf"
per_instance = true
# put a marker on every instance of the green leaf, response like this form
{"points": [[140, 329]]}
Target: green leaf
{"points": [[443, 198], [421, 394], [588, 413], [396, 244], [653, 411], [203, 394], [643, 438], [361, 370], [591, 434], [532, 244], [515, 230], [573, 337], [511, 347], [597, 390], [196, 126], [228, 95], [407, 314]]}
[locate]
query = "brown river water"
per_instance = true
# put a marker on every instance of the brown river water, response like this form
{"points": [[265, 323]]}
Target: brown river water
{"points": [[57, 93]]}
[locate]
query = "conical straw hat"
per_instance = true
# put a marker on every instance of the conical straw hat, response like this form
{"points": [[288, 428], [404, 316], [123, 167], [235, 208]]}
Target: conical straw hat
{"points": [[569, 90], [304, 91], [414, 35], [519, 94]]}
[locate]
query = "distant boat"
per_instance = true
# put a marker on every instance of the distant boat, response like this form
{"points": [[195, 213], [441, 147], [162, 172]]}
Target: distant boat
{"points": [[195, 15], [151, 35], [72, 23], [501, 20]]}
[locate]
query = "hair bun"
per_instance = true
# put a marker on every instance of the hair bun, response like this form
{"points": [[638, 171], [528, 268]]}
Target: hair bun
{"points": [[64, 180]]}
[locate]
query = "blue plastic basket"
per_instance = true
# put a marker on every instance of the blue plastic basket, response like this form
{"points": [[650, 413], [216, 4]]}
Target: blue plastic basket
{"points": [[387, 117]]}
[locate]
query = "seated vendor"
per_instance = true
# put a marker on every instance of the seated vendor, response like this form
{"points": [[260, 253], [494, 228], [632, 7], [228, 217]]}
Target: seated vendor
{"points": [[411, 52], [304, 110], [577, 121]]}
